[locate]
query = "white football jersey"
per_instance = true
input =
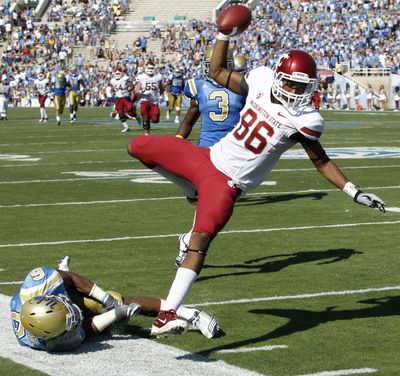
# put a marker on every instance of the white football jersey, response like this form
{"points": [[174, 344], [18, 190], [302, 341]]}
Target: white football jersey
{"points": [[249, 152], [121, 86], [150, 86], [41, 85]]}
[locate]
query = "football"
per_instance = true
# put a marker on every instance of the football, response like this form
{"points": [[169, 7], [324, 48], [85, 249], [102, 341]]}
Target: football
{"points": [[234, 19]]}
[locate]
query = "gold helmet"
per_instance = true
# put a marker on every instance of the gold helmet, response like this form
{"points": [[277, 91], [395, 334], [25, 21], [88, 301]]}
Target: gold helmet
{"points": [[49, 316], [60, 76], [207, 59], [239, 63]]}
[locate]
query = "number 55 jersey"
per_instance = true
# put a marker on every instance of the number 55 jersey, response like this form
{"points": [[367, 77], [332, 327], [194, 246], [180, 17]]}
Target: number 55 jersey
{"points": [[249, 152]]}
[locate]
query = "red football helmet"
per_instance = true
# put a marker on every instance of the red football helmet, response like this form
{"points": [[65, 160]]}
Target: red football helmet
{"points": [[118, 73], [150, 68], [298, 67]]}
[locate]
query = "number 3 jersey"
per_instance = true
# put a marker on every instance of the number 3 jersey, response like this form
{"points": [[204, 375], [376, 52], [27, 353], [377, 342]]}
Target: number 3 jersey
{"points": [[42, 281], [248, 153], [218, 106]]}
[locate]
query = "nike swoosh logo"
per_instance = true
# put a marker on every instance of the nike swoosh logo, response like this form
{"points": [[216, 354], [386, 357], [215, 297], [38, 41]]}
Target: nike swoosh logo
{"points": [[162, 321], [280, 114]]}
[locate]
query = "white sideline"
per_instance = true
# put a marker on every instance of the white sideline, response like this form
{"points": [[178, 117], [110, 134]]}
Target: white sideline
{"points": [[117, 355], [141, 237], [251, 349], [343, 372]]}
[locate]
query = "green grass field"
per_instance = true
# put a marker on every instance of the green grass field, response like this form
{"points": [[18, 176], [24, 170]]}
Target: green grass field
{"points": [[299, 266]]}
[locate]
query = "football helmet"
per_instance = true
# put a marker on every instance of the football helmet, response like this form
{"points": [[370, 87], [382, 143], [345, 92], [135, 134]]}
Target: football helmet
{"points": [[150, 68], [117, 74], [207, 59], [60, 76], [298, 68], [73, 72], [239, 63], [177, 70], [49, 316]]}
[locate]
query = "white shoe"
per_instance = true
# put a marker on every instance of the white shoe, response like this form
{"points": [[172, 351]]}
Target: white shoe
{"points": [[127, 129], [176, 121], [45, 120], [183, 250], [64, 264], [205, 323], [41, 120]]}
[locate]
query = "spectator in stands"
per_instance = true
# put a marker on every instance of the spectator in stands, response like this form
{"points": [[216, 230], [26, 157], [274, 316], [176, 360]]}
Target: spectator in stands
{"points": [[338, 97], [347, 95], [356, 96]]}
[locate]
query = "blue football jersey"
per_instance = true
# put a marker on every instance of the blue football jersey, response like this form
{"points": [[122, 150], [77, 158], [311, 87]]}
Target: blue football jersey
{"points": [[177, 84], [40, 281], [75, 82], [219, 108]]}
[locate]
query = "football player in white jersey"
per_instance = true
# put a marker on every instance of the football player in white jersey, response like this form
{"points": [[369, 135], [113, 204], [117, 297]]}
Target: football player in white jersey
{"points": [[124, 98], [276, 115], [5, 94], [150, 89], [42, 87]]}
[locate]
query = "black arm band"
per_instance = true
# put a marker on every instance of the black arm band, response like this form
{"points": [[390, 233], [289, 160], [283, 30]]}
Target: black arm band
{"points": [[323, 158], [229, 78]]}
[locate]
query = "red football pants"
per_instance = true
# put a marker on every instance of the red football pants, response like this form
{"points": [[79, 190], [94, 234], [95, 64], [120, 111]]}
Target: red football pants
{"points": [[216, 199]]}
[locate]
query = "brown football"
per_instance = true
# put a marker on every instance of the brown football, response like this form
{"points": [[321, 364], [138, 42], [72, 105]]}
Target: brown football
{"points": [[234, 19]]}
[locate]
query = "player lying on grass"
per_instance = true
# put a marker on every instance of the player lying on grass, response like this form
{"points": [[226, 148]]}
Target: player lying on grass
{"points": [[56, 309]]}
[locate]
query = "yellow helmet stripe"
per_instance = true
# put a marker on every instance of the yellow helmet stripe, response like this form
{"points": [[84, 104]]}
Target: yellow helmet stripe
{"points": [[52, 283]]}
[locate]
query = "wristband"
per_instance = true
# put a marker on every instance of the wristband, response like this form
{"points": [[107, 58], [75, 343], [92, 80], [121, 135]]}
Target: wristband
{"points": [[221, 36], [105, 319], [350, 189], [179, 136], [98, 293]]}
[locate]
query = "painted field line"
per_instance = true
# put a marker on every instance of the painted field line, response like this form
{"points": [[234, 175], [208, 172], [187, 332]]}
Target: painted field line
{"points": [[111, 355], [27, 164], [251, 349], [11, 282], [343, 372], [393, 209], [142, 237], [300, 296], [96, 202]]}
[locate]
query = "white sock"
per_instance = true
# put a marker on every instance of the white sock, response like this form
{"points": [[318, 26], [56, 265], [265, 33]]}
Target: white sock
{"points": [[187, 187], [125, 124], [185, 312], [44, 113], [41, 112], [58, 118], [180, 287]]}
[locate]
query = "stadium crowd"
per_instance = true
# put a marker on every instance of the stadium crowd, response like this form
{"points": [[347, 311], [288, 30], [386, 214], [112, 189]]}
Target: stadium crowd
{"points": [[358, 33]]}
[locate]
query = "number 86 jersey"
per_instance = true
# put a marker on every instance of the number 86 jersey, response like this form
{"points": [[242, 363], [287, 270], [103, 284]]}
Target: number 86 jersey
{"points": [[249, 152]]}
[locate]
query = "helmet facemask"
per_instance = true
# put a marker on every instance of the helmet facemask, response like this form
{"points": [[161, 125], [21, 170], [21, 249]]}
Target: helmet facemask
{"points": [[305, 87]]}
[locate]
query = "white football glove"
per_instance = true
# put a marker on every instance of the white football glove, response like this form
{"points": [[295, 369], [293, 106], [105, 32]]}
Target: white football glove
{"points": [[125, 311], [369, 199]]}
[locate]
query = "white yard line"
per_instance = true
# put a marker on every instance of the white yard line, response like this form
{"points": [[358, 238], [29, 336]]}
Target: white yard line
{"points": [[96, 202], [251, 349], [299, 296], [117, 355], [343, 372], [141, 237], [12, 283]]}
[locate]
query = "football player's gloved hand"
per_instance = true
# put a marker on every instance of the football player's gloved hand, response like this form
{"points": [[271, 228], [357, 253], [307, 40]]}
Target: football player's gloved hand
{"points": [[369, 199], [125, 311]]}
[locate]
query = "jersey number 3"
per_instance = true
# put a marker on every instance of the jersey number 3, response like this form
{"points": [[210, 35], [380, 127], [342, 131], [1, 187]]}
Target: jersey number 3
{"points": [[255, 139]]}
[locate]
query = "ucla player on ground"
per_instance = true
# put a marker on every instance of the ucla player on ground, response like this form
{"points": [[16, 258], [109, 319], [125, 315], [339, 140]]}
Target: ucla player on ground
{"points": [[219, 109], [60, 86], [176, 86], [44, 317], [75, 82]]}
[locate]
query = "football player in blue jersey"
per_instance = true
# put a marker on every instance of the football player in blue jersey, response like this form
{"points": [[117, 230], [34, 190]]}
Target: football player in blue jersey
{"points": [[75, 82], [60, 86], [45, 317], [175, 90], [219, 109], [56, 309]]}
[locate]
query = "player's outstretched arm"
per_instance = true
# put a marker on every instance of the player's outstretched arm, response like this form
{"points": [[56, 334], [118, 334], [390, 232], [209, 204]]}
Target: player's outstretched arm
{"points": [[86, 287], [334, 175], [218, 67]]}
